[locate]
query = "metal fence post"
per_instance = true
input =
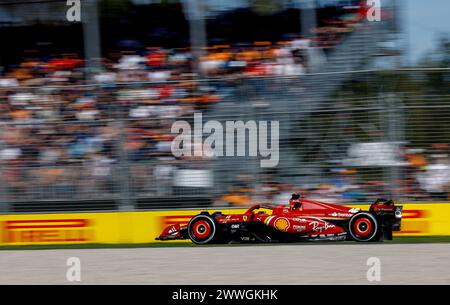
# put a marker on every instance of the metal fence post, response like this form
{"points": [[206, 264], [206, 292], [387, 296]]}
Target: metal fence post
{"points": [[125, 201], [91, 34], [4, 203], [392, 124], [194, 12]]}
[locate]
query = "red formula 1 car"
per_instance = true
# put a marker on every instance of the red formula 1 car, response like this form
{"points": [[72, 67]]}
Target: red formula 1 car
{"points": [[302, 220]]}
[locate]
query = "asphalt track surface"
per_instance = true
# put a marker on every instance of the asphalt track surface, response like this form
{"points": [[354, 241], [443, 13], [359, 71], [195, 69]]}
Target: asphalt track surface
{"points": [[267, 264]]}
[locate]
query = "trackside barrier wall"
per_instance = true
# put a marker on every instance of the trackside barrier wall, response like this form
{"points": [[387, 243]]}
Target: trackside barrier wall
{"points": [[431, 219]]}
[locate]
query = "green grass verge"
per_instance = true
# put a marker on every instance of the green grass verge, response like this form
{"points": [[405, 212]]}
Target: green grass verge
{"points": [[419, 239], [397, 240], [95, 246]]}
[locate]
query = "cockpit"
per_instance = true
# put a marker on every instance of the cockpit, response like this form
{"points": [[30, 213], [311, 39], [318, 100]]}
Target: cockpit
{"points": [[295, 203]]}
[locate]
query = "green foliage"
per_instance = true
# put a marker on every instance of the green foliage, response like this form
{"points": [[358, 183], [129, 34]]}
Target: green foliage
{"points": [[266, 7], [113, 9]]}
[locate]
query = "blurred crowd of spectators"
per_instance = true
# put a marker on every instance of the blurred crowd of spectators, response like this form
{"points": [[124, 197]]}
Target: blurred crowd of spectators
{"points": [[424, 176], [65, 135], [64, 127]]}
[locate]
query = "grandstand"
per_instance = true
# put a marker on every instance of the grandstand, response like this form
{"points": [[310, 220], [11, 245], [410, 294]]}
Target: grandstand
{"points": [[78, 136]]}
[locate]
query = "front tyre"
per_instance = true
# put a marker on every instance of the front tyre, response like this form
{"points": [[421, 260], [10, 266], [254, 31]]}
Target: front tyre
{"points": [[202, 229], [363, 227]]}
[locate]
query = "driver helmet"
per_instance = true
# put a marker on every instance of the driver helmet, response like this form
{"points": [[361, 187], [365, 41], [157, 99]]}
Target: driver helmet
{"points": [[295, 201]]}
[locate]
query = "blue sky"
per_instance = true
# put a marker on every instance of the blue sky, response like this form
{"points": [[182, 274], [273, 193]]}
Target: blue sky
{"points": [[424, 21]]}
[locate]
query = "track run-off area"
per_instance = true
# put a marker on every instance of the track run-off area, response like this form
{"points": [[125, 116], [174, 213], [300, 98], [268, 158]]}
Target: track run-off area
{"points": [[334, 263]]}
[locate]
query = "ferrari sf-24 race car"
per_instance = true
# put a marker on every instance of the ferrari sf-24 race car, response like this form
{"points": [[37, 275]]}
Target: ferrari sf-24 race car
{"points": [[302, 220]]}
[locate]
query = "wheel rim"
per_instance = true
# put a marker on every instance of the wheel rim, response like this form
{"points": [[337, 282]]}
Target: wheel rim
{"points": [[363, 227], [201, 229]]}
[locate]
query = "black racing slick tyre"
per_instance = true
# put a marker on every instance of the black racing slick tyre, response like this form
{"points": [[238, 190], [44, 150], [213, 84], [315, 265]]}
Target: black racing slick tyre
{"points": [[363, 227], [202, 229]]}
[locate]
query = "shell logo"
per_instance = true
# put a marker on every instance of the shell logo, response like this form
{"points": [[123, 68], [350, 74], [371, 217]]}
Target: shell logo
{"points": [[281, 224]]}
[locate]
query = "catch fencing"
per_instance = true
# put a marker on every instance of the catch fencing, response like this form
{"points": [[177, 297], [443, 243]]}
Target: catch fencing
{"points": [[108, 147]]}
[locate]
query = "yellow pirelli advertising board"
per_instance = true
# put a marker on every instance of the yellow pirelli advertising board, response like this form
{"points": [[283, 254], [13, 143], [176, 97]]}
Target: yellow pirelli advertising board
{"points": [[78, 228], [431, 219]]}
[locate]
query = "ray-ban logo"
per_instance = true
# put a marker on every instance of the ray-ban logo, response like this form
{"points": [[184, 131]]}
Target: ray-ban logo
{"points": [[73, 13]]}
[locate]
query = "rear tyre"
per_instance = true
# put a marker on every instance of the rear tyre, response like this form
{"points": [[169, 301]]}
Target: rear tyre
{"points": [[363, 227], [202, 229]]}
